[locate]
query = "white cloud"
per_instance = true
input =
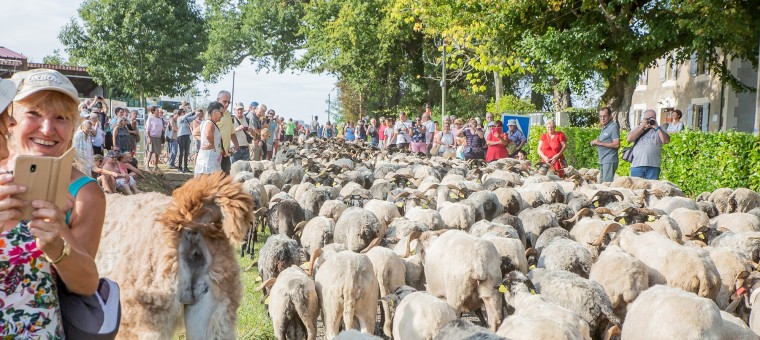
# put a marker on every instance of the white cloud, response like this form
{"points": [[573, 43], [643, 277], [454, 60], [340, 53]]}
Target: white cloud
{"points": [[31, 28]]}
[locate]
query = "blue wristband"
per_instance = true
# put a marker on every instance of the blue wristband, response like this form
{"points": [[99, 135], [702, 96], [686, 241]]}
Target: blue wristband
{"points": [[657, 129]]}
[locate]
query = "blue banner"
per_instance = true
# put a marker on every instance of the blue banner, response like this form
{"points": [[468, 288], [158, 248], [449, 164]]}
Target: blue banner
{"points": [[523, 123]]}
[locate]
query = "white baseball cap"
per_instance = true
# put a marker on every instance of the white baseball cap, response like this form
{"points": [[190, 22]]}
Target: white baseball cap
{"points": [[33, 81], [7, 92]]}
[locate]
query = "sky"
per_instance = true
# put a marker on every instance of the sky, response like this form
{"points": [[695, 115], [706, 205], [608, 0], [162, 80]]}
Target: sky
{"points": [[31, 28]]}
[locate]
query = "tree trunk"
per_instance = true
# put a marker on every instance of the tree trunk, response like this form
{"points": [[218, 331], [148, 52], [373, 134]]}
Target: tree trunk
{"points": [[618, 97], [561, 99], [536, 98], [498, 86]]}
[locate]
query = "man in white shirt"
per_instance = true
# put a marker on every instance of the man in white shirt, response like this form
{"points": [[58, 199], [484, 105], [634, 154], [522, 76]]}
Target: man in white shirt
{"points": [[98, 135], [429, 129], [242, 126], [401, 132]]}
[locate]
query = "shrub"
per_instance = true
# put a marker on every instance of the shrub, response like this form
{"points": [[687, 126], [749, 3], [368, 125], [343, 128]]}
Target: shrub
{"points": [[695, 161]]}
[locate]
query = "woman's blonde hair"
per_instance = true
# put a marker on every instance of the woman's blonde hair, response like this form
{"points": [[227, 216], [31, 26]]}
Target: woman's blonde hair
{"points": [[550, 121]]}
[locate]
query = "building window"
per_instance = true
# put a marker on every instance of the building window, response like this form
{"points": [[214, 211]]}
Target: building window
{"points": [[698, 116], [636, 117], [668, 69], [702, 68]]}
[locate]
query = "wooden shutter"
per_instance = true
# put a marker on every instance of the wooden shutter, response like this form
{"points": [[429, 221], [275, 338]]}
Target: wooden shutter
{"points": [[694, 65], [705, 116], [663, 69], [689, 115], [673, 67]]}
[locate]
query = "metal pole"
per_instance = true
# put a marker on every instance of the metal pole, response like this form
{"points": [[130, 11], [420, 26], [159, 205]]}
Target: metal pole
{"points": [[233, 89], [329, 104], [757, 100], [443, 79]]}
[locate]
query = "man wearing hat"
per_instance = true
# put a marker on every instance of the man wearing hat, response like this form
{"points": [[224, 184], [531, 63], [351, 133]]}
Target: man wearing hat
{"points": [[242, 130], [516, 136]]}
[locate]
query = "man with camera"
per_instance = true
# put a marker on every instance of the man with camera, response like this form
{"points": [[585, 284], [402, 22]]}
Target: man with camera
{"points": [[607, 145], [243, 130], [647, 152], [401, 132]]}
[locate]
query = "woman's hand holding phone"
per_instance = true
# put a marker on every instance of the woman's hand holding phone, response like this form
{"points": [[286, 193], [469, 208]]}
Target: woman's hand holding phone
{"points": [[10, 207], [47, 224]]}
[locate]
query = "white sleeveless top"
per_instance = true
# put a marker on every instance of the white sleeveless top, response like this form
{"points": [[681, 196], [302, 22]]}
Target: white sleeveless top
{"points": [[209, 161]]}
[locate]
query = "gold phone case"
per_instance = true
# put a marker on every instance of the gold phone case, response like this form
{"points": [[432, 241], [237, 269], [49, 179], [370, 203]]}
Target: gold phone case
{"points": [[45, 178]]}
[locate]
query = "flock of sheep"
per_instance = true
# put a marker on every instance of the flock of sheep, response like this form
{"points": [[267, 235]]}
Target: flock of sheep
{"points": [[543, 257]]}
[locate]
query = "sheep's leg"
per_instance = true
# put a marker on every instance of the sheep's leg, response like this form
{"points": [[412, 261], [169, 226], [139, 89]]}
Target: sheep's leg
{"points": [[493, 308], [479, 313], [306, 309], [331, 318]]}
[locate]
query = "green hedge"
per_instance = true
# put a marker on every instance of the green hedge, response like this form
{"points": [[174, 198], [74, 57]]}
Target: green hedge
{"points": [[695, 161]]}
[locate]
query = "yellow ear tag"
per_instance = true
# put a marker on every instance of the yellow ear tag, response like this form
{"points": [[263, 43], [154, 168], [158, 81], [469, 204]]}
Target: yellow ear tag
{"points": [[701, 236], [414, 251], [596, 204], [477, 180], [306, 265], [408, 183], [335, 184], [503, 289], [533, 292], [257, 279], [651, 218], [453, 195], [266, 301], [400, 204], [533, 266], [319, 185], [424, 206], [622, 221], [461, 195]]}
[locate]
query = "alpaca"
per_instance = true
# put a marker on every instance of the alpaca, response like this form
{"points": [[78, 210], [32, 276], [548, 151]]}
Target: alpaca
{"points": [[174, 258]]}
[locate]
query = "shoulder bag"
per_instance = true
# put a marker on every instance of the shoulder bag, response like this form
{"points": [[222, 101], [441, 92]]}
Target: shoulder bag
{"points": [[628, 151]]}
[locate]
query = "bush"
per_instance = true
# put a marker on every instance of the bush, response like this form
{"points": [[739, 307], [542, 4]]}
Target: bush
{"points": [[695, 161]]}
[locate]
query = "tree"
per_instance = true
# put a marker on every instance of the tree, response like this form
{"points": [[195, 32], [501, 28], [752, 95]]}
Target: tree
{"points": [[145, 47]]}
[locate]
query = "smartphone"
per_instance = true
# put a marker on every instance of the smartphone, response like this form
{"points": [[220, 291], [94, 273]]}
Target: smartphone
{"points": [[45, 178]]}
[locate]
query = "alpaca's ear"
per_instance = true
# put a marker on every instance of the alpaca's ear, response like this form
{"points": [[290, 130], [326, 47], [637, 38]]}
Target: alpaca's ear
{"points": [[235, 205]]}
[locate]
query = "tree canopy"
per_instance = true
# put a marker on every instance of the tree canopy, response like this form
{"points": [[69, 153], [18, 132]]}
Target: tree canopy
{"points": [[144, 47]]}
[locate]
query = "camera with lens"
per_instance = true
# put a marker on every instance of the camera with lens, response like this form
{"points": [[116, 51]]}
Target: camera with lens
{"points": [[652, 122]]}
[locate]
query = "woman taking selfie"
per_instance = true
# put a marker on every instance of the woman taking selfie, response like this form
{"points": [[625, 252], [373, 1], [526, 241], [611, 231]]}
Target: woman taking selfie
{"points": [[54, 244], [209, 159]]}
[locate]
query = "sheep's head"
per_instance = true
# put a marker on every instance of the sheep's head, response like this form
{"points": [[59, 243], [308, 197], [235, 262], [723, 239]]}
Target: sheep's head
{"points": [[704, 234], [516, 282], [531, 255], [212, 205]]}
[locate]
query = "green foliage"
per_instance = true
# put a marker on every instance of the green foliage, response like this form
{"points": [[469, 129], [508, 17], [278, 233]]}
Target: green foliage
{"points": [[510, 103], [583, 117], [145, 47], [695, 161]]}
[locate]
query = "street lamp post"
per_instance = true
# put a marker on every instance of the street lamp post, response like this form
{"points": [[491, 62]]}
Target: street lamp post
{"points": [[443, 79]]}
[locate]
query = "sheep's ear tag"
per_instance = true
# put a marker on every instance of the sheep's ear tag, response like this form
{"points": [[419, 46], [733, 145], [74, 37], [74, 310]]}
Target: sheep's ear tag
{"points": [[503, 289], [461, 195], [257, 279], [740, 291], [651, 218], [622, 221], [477, 180], [424, 206], [596, 204], [533, 266], [453, 195], [266, 301], [335, 184], [413, 252], [533, 292], [319, 184], [400, 204], [408, 183], [701, 236], [306, 265]]}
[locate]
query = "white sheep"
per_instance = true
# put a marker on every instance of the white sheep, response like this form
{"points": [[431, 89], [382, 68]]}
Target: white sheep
{"points": [[348, 291], [418, 314], [623, 277], [293, 304], [466, 282], [390, 273]]}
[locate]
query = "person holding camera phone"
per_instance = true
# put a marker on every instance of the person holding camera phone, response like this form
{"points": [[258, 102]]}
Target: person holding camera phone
{"points": [[242, 128], [54, 247], [647, 153]]}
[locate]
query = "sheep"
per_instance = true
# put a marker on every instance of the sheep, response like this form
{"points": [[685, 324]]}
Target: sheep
{"points": [[316, 233], [293, 304], [510, 248], [535, 317], [561, 211], [272, 177], [590, 233], [401, 227], [332, 209], [430, 217], [238, 167], [549, 235], [482, 227], [346, 285], [582, 296], [384, 211], [418, 315], [670, 204], [730, 264], [283, 216], [457, 215], [690, 269], [311, 201], [486, 204], [466, 282], [510, 199], [743, 200], [735, 328], [566, 254], [514, 222], [390, 273], [174, 257], [708, 208], [459, 329], [668, 227], [737, 222], [622, 276], [380, 189], [356, 228], [663, 312], [721, 198], [748, 243], [278, 253], [689, 221], [535, 221]]}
